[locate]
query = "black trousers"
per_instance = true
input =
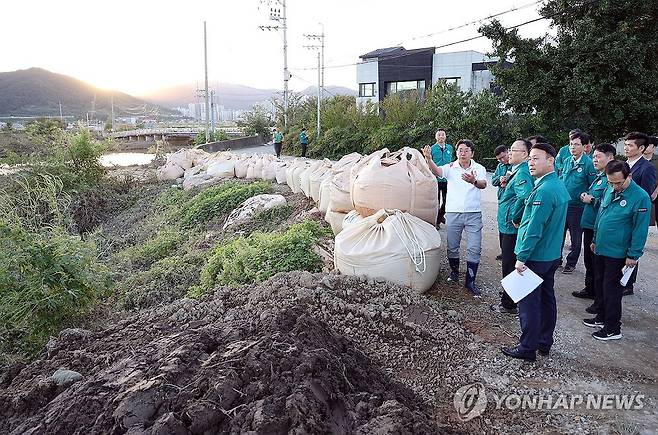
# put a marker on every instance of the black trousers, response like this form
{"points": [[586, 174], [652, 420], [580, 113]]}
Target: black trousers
{"points": [[538, 310], [574, 214], [304, 146], [443, 194], [588, 258], [508, 263], [607, 285], [277, 149]]}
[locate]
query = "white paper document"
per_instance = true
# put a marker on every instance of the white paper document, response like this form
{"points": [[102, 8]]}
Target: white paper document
{"points": [[627, 272], [518, 286]]}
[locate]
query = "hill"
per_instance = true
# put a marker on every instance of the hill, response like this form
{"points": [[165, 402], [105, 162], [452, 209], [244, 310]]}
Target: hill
{"points": [[38, 92]]}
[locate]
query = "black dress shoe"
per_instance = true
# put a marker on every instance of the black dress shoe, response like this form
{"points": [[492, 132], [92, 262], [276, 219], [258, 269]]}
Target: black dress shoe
{"points": [[628, 290], [543, 352], [514, 352], [582, 294]]}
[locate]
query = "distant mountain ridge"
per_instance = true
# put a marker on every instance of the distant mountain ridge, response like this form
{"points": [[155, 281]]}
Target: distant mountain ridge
{"points": [[38, 92], [231, 96]]}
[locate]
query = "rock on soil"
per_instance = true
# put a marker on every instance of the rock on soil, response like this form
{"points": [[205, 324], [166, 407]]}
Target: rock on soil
{"points": [[300, 353]]}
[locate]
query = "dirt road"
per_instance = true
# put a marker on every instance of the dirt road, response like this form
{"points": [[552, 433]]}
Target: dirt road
{"points": [[578, 364]]}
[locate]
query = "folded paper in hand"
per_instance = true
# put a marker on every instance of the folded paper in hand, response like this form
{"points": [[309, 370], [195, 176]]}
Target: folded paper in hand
{"points": [[627, 272], [518, 286]]}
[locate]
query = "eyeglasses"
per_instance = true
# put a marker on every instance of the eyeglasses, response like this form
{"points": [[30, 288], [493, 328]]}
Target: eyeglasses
{"points": [[517, 151]]}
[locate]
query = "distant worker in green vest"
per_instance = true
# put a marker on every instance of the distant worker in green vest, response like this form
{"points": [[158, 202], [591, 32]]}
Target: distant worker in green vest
{"points": [[578, 173], [518, 185], [620, 233], [303, 141], [538, 248], [442, 154], [499, 179], [278, 142], [603, 154]]}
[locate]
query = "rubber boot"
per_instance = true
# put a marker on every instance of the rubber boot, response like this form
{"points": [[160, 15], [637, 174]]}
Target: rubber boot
{"points": [[471, 273], [454, 269]]}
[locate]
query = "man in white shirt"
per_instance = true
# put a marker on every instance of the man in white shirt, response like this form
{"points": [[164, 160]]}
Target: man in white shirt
{"points": [[466, 179]]}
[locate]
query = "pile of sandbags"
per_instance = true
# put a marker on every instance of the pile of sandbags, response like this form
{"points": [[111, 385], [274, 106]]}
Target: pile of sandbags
{"points": [[393, 245], [180, 161], [399, 180]]}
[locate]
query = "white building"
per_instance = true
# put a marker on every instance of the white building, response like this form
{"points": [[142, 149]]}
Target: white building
{"points": [[392, 70]]}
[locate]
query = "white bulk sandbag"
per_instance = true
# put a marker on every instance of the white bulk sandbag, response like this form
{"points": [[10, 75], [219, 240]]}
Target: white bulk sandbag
{"points": [[181, 158], [340, 182], [249, 207], [325, 197], [170, 172], [393, 245], [346, 162], [241, 167], [352, 218], [198, 156], [222, 169], [335, 220], [296, 174], [400, 180], [305, 178], [290, 171], [316, 177], [281, 173], [339, 192], [269, 170]]}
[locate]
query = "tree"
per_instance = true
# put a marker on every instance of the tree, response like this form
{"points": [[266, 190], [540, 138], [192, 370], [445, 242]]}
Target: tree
{"points": [[597, 74], [258, 122]]}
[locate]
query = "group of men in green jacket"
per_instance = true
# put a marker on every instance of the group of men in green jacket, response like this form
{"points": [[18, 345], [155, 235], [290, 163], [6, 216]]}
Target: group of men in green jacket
{"points": [[541, 196]]}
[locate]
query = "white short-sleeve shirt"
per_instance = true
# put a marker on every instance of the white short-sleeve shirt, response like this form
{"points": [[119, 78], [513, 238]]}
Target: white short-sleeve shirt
{"points": [[463, 197]]}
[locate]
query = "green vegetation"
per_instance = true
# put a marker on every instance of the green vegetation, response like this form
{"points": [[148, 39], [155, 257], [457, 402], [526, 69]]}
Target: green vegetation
{"points": [[257, 122], [597, 72], [405, 121], [260, 256], [219, 200], [49, 278], [216, 136]]}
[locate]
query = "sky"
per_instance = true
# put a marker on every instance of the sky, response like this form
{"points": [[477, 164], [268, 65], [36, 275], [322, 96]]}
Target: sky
{"points": [[141, 46]]}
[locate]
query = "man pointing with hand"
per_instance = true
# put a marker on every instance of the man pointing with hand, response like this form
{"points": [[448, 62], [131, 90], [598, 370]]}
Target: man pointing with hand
{"points": [[538, 248]]}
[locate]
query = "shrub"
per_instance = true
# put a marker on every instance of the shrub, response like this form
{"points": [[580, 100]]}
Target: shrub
{"points": [[82, 155], [156, 249], [260, 256], [48, 280], [219, 200], [166, 280]]}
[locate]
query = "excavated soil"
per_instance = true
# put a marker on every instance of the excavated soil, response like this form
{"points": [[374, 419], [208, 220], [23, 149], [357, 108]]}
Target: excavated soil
{"points": [[262, 359]]}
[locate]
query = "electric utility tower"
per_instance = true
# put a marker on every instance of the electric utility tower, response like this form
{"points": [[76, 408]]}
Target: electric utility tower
{"points": [[278, 14]]}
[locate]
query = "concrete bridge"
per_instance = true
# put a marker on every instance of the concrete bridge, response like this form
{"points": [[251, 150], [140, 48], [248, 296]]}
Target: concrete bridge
{"points": [[176, 136]]}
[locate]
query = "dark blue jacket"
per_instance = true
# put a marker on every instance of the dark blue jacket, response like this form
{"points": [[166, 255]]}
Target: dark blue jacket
{"points": [[644, 175]]}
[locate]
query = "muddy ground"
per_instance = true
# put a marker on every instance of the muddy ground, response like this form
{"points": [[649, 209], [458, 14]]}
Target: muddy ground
{"points": [[321, 353]]}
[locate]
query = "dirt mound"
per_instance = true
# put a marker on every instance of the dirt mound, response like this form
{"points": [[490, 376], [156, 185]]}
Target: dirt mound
{"points": [[299, 353]]}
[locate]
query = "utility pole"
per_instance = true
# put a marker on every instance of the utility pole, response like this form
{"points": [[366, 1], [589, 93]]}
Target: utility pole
{"points": [[320, 38], [320, 52], [319, 94], [205, 58], [61, 117], [280, 16]]}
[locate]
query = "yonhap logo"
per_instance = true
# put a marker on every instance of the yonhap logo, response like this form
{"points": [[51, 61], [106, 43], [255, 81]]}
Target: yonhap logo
{"points": [[470, 401]]}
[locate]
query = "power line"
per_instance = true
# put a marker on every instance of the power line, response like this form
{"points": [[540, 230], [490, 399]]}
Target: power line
{"points": [[470, 23], [467, 39]]}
